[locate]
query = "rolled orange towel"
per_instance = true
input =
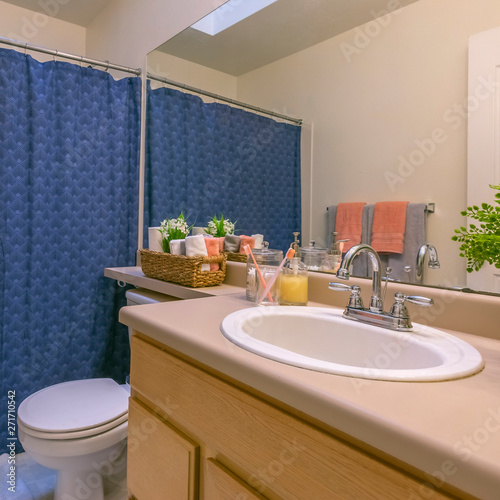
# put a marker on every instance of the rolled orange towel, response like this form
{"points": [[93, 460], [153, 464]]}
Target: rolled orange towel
{"points": [[212, 245], [246, 240], [221, 243]]}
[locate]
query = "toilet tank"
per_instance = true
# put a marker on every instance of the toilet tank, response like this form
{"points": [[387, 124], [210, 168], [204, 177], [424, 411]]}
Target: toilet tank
{"points": [[139, 296]]}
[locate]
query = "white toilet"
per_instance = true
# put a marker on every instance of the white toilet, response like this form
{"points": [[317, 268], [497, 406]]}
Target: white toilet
{"points": [[79, 428]]}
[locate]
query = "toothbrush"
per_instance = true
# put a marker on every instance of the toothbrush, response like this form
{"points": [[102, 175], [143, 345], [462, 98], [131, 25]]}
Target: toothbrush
{"points": [[248, 251], [289, 254]]}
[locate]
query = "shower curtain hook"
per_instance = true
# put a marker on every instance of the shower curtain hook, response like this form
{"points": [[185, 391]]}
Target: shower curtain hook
{"points": [[26, 49], [81, 60], [55, 55], [107, 66]]}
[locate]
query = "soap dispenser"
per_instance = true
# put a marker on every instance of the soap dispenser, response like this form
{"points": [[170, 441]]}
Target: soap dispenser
{"points": [[293, 289]]}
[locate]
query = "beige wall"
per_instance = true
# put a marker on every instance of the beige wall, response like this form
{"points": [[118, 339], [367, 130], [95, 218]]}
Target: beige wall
{"points": [[387, 106], [128, 29], [40, 29], [123, 33], [385, 101], [195, 75]]}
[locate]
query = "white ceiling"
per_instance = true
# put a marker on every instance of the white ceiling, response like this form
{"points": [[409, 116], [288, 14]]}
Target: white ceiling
{"points": [[80, 12]]}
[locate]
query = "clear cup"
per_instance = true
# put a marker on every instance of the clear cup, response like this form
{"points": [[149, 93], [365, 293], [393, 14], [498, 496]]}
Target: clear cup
{"points": [[266, 259], [272, 297]]}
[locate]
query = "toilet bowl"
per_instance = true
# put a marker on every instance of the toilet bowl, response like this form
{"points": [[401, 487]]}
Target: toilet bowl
{"points": [[79, 428]]}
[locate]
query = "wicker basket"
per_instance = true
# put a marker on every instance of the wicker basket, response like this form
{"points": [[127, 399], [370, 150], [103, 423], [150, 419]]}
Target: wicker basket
{"points": [[236, 257], [181, 269]]}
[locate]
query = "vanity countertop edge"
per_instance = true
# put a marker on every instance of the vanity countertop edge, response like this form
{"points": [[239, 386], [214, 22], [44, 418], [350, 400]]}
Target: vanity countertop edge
{"points": [[449, 430]]}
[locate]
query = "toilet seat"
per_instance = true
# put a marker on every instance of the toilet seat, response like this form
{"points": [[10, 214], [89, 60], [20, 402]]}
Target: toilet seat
{"points": [[76, 409]]}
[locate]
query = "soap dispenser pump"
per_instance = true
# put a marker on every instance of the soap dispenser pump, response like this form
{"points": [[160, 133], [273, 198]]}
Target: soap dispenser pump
{"points": [[293, 284]]}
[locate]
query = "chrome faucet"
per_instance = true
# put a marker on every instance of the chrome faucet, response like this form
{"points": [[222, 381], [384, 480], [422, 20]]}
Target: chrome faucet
{"points": [[398, 318], [376, 304], [433, 260]]}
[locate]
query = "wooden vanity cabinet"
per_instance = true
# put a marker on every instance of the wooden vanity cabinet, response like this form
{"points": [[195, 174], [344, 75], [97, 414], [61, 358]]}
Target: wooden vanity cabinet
{"points": [[194, 434]]}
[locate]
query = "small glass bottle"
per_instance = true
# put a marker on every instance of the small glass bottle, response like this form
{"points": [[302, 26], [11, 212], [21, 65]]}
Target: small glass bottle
{"points": [[293, 290]]}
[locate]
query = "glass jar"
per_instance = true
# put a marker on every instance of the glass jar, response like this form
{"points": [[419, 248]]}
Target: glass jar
{"points": [[331, 262], [312, 256], [268, 261]]}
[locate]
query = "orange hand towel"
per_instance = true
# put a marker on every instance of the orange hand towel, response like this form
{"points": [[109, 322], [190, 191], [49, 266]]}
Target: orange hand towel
{"points": [[389, 222], [212, 245], [246, 240], [348, 223], [220, 239]]}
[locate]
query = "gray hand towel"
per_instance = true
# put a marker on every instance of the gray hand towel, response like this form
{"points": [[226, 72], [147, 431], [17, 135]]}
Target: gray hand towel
{"points": [[232, 243]]}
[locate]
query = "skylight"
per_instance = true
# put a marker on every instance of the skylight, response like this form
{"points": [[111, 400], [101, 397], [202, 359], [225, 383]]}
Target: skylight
{"points": [[230, 13]]}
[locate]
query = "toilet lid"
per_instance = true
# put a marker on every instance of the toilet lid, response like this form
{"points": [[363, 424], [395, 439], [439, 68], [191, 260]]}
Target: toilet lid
{"points": [[74, 406]]}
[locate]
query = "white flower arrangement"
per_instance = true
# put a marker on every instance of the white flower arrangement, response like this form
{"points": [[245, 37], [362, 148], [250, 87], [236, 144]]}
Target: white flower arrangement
{"points": [[173, 229], [219, 227]]}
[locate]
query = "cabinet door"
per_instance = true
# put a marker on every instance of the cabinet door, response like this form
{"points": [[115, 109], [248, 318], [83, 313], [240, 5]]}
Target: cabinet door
{"points": [[222, 484], [163, 464]]}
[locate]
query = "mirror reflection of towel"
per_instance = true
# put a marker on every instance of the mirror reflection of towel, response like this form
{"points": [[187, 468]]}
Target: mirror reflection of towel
{"points": [[348, 223], [388, 230], [415, 237]]}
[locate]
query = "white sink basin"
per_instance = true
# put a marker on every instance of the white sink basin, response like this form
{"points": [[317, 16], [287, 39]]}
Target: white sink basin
{"points": [[321, 339]]}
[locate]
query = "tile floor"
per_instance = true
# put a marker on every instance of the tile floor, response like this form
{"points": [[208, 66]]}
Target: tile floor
{"points": [[35, 482]]}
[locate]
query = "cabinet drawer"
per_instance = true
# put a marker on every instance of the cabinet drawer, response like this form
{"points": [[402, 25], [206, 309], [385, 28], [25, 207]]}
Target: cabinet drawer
{"points": [[276, 453], [222, 484], [163, 464]]}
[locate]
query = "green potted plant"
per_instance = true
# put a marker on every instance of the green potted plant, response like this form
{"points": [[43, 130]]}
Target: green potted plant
{"points": [[173, 229], [481, 243], [219, 227]]}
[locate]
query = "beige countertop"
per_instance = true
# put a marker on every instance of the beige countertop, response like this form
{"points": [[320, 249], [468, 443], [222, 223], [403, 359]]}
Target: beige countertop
{"points": [[450, 430]]}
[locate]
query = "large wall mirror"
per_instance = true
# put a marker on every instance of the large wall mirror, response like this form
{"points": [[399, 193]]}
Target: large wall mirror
{"points": [[381, 87]]}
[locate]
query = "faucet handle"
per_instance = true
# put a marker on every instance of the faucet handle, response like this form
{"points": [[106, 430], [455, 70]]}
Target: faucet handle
{"points": [[419, 301], [398, 309], [340, 287], [355, 300]]}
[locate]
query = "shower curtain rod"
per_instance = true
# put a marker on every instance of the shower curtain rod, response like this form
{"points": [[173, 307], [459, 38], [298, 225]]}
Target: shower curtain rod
{"points": [[64, 55], [296, 121]]}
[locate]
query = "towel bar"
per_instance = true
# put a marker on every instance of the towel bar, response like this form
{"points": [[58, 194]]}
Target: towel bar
{"points": [[430, 208]]}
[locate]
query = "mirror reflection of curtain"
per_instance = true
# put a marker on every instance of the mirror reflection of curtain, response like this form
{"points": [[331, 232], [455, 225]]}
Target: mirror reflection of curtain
{"points": [[69, 155], [208, 159]]}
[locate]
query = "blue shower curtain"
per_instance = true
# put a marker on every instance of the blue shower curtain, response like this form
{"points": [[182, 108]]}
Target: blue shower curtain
{"points": [[69, 154], [208, 159]]}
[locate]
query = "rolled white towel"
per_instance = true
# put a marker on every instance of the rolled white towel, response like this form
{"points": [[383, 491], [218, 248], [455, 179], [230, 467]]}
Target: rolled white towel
{"points": [[154, 239], [195, 247], [259, 240], [178, 247]]}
